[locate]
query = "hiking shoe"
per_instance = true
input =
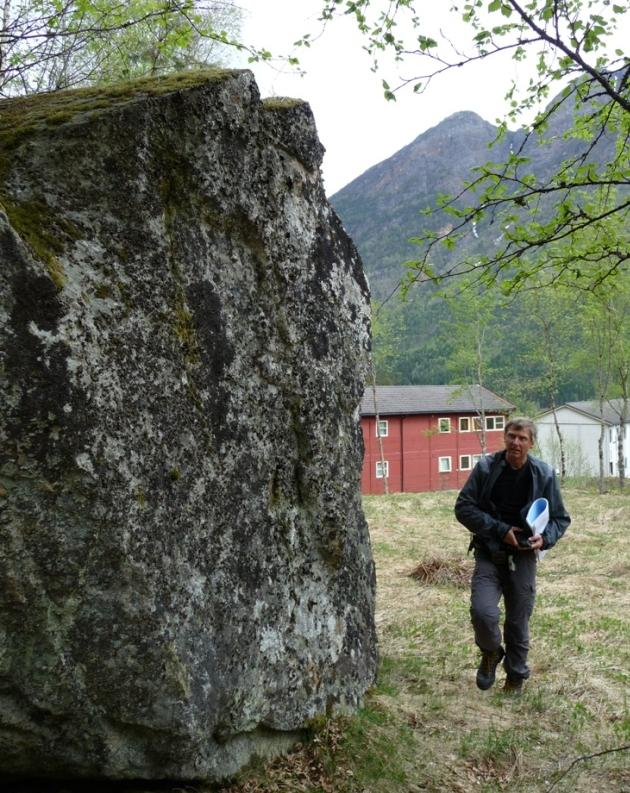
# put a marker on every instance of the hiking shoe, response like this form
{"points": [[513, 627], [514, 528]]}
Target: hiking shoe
{"points": [[487, 671], [513, 686]]}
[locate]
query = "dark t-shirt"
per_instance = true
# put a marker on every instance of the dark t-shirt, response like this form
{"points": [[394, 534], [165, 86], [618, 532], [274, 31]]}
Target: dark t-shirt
{"points": [[511, 492]]}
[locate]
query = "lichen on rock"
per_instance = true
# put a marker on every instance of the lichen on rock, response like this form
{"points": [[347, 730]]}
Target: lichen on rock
{"points": [[185, 570]]}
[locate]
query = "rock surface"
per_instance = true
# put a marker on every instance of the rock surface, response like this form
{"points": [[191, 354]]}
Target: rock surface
{"points": [[185, 570]]}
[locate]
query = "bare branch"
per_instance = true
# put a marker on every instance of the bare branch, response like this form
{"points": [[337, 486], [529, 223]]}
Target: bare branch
{"points": [[574, 54], [584, 757]]}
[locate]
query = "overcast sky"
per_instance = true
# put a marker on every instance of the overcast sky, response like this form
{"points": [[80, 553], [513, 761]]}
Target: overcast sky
{"points": [[357, 126]]}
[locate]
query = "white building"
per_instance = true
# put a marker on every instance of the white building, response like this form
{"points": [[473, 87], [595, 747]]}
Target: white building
{"points": [[580, 424]]}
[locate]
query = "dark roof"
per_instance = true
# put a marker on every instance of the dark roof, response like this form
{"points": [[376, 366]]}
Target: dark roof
{"points": [[590, 407], [408, 399]]}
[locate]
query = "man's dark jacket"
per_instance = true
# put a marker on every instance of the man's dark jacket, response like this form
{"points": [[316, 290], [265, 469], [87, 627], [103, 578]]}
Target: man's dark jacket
{"points": [[475, 510]]}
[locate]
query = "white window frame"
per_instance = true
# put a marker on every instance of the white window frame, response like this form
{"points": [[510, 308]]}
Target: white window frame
{"points": [[445, 461], [448, 423], [382, 428], [468, 421], [475, 459], [494, 420], [467, 457], [379, 469]]}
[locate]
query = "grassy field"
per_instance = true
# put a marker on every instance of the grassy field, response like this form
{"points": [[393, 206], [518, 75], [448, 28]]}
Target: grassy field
{"points": [[425, 726]]}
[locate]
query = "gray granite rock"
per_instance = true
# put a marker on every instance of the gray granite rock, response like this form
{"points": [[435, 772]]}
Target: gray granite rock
{"points": [[185, 570]]}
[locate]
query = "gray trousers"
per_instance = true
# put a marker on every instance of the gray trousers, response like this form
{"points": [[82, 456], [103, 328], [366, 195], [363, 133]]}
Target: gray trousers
{"points": [[490, 582]]}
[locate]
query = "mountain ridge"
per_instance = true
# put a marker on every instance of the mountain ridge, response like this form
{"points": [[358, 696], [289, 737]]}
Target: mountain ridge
{"points": [[414, 340], [382, 207]]}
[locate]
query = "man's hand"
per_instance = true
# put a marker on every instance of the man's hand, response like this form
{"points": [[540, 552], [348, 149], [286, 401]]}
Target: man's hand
{"points": [[535, 542], [510, 537]]}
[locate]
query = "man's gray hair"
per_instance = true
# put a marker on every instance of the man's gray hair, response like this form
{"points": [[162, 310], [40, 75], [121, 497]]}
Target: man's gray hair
{"points": [[523, 423]]}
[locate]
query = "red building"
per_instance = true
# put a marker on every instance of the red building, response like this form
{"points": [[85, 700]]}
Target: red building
{"points": [[431, 435]]}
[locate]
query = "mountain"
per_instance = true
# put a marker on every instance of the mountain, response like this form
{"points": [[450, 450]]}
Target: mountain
{"points": [[381, 209]]}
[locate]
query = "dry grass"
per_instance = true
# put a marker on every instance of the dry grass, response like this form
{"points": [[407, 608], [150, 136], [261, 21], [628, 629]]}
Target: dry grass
{"points": [[425, 726], [454, 572]]}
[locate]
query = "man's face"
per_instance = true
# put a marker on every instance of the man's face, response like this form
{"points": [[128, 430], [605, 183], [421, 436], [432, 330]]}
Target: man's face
{"points": [[517, 445]]}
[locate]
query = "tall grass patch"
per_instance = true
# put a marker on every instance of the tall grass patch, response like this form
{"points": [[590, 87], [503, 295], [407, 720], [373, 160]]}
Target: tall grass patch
{"points": [[425, 726]]}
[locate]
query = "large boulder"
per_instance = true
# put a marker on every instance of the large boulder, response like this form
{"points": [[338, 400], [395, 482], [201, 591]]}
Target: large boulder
{"points": [[185, 570]]}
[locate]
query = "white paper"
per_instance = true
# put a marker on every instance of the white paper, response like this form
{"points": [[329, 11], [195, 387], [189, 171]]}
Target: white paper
{"points": [[537, 519]]}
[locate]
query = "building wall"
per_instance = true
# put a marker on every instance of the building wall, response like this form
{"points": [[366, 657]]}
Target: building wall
{"points": [[413, 448], [581, 439]]}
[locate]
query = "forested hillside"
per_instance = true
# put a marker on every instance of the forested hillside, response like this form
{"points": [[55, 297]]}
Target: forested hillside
{"points": [[457, 331]]}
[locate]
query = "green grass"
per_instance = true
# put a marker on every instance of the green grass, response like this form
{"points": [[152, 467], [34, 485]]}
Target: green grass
{"points": [[425, 726]]}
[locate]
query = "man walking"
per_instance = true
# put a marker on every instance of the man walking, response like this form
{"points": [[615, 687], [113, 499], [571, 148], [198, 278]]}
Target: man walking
{"points": [[492, 505]]}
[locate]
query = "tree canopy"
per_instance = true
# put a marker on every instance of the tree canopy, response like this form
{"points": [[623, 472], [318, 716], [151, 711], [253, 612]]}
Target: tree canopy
{"points": [[567, 224], [51, 44]]}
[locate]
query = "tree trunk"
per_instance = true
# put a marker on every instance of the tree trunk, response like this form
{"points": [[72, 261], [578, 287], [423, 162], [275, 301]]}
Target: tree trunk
{"points": [[482, 412], [600, 446], [621, 441], [378, 433], [6, 14], [552, 367], [563, 465]]}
